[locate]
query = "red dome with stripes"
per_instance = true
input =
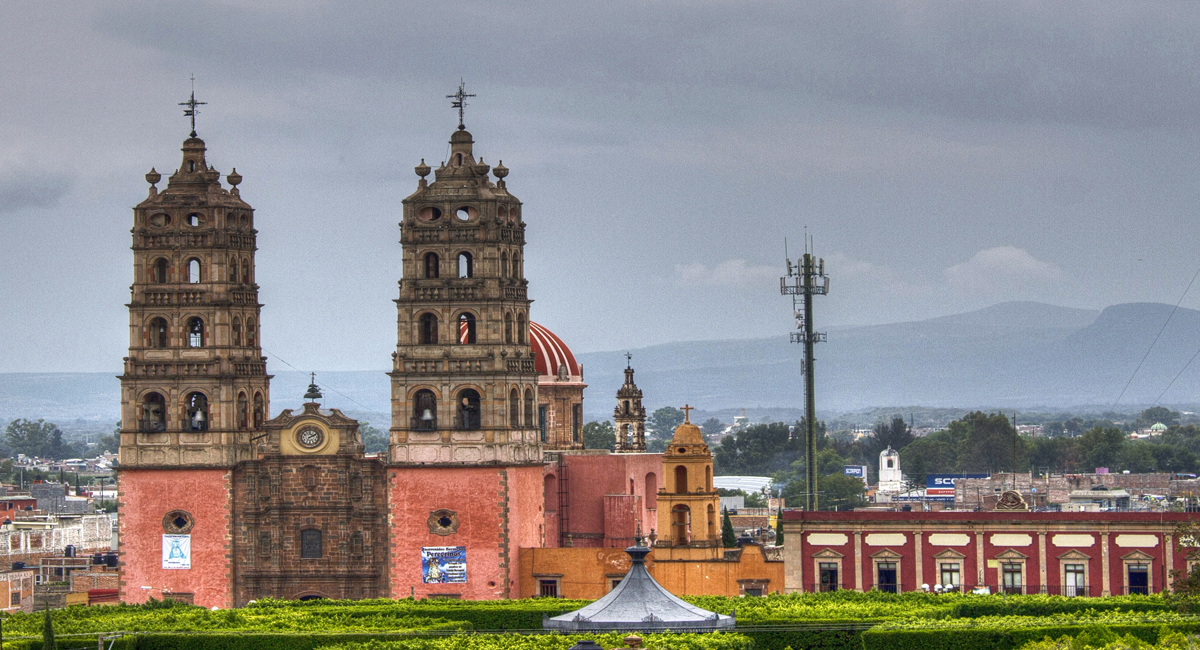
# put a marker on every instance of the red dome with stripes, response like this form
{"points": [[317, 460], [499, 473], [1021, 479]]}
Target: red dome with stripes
{"points": [[551, 352]]}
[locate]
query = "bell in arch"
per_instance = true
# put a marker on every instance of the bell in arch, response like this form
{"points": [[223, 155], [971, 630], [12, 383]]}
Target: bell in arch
{"points": [[427, 415]]}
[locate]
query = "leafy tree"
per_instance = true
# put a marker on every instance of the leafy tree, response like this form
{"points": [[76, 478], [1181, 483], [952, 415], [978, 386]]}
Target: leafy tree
{"points": [[987, 443], [1053, 429], [840, 492], [108, 444], [779, 530], [48, 633], [660, 427], [1104, 447], [31, 438], [761, 450], [374, 440], [728, 538], [600, 435], [895, 435], [712, 426], [1159, 414], [756, 500]]}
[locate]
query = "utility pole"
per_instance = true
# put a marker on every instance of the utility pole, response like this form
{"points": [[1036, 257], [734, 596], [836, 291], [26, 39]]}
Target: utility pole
{"points": [[805, 279]]}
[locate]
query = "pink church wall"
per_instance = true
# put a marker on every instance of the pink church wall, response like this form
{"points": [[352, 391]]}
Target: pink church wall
{"points": [[590, 479], [498, 509], [145, 496]]}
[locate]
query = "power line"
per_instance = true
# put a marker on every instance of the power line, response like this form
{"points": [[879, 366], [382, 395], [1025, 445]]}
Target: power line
{"points": [[1160, 331], [323, 385]]}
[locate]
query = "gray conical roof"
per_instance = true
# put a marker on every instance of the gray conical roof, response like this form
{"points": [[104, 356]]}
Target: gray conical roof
{"points": [[639, 603]]}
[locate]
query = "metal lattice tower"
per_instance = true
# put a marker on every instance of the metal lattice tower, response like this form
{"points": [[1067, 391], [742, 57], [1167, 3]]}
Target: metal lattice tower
{"points": [[806, 278]]}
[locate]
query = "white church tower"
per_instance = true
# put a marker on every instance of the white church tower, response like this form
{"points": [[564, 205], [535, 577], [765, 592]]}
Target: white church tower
{"points": [[890, 478]]}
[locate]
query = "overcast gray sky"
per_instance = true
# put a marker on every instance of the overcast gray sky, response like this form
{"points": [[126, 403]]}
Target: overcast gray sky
{"points": [[945, 156]]}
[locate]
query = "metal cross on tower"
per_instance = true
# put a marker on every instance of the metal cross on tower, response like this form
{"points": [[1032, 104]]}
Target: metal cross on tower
{"points": [[191, 104], [459, 101], [687, 412], [805, 279]]}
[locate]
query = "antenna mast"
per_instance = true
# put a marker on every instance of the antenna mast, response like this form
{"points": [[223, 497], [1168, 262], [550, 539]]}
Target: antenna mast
{"points": [[806, 278]]}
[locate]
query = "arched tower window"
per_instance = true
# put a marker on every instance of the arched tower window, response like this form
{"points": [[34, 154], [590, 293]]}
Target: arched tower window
{"points": [[516, 266], [245, 270], [251, 333], [521, 329], [466, 329], [550, 493], [243, 411], [466, 265], [428, 325], [681, 520], [504, 265], [681, 484], [237, 331], [233, 269], [154, 413], [424, 410], [712, 522], [160, 270], [159, 333], [651, 491], [193, 271], [431, 265], [468, 415], [195, 332], [514, 408], [196, 407], [708, 478], [259, 410], [508, 328], [529, 408]]}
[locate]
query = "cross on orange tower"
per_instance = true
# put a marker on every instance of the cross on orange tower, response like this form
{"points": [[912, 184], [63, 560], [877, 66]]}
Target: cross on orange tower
{"points": [[687, 412]]}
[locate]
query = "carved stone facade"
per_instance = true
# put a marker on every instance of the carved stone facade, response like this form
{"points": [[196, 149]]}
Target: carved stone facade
{"points": [[195, 386], [464, 385], [630, 416], [310, 514]]}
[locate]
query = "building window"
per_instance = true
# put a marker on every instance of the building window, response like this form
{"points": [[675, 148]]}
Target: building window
{"points": [[159, 333], [886, 575], [237, 331], [521, 329], [310, 544], [466, 329], [245, 270], [243, 411], [548, 588], [516, 265], [681, 523], [1138, 576], [14, 599], [951, 577], [503, 265], [1075, 580], [428, 329], [529, 408], [195, 333], [614, 582], [469, 415], [542, 422], [466, 265], [508, 328], [251, 333], [431, 265], [576, 422], [160, 270], [681, 482], [193, 271], [514, 406], [197, 412], [424, 410], [259, 410], [829, 577], [1010, 577], [233, 269]]}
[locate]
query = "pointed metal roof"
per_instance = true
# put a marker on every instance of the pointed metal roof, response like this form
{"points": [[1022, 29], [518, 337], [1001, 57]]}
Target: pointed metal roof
{"points": [[639, 603]]}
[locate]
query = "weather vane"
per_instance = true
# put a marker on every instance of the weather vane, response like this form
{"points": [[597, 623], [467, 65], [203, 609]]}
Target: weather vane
{"points": [[191, 104], [459, 101]]}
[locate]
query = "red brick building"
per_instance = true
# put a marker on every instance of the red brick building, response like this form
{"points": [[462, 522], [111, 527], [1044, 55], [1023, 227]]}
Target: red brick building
{"points": [[1072, 554]]}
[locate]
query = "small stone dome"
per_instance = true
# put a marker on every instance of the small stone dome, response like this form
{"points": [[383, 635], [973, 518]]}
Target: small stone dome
{"points": [[461, 136], [688, 434]]}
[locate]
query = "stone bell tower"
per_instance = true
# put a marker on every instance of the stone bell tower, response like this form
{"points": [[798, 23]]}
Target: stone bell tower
{"points": [[464, 382], [688, 506], [629, 415], [195, 390]]}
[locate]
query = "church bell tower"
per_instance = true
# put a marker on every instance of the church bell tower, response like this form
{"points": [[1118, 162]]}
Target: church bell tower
{"points": [[630, 416], [464, 382]]}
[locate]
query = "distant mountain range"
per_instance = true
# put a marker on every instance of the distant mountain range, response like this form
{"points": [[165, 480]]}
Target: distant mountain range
{"points": [[1011, 355]]}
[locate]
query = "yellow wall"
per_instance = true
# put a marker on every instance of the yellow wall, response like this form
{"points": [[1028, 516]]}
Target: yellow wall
{"points": [[587, 572]]}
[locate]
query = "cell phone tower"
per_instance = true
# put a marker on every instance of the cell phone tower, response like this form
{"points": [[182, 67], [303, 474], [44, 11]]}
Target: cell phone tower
{"points": [[806, 278]]}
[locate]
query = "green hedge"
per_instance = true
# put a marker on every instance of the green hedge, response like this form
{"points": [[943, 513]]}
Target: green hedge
{"points": [[1047, 605], [1001, 638]]}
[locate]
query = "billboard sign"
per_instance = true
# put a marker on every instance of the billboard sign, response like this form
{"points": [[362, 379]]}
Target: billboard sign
{"points": [[443, 564], [940, 487], [176, 551]]}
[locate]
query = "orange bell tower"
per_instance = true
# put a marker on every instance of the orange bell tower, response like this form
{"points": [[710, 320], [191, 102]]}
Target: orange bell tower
{"points": [[688, 506]]}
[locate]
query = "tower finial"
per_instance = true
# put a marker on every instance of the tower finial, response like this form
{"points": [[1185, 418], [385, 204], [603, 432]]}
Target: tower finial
{"points": [[687, 412], [459, 101], [628, 360], [191, 104]]}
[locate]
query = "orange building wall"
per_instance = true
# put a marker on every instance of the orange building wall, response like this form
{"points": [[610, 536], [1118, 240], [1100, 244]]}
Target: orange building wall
{"points": [[588, 572], [145, 496], [498, 508]]}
